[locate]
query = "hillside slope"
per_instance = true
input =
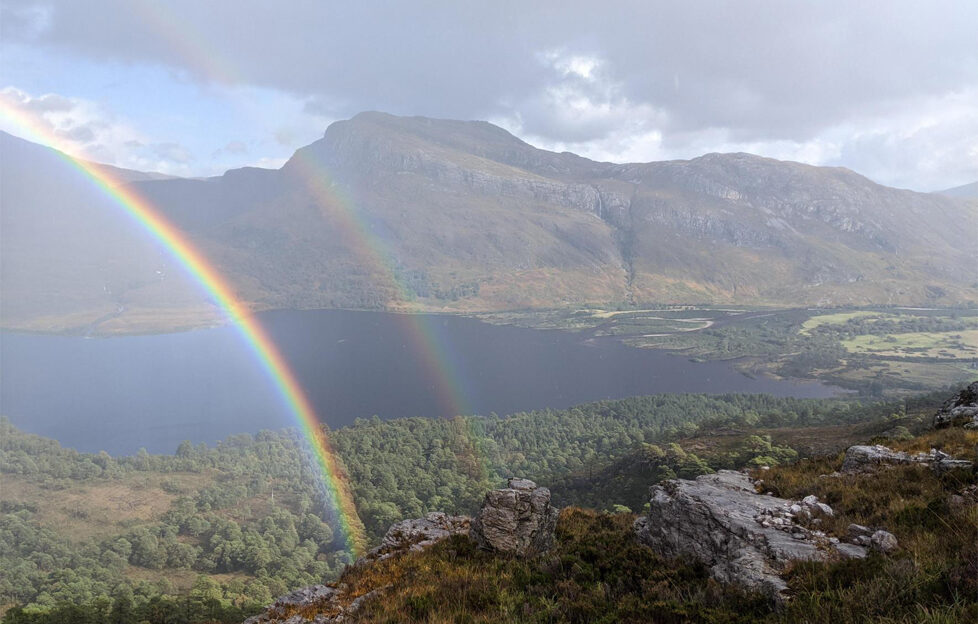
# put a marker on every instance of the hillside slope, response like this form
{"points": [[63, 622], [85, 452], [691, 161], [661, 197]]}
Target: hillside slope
{"points": [[70, 256], [415, 213], [597, 571]]}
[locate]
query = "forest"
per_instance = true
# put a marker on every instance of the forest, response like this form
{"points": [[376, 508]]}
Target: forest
{"points": [[214, 533]]}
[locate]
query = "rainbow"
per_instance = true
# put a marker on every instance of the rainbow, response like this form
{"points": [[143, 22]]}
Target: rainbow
{"points": [[443, 368], [198, 267]]}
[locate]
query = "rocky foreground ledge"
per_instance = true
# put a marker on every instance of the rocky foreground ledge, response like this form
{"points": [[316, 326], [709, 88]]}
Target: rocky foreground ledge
{"points": [[742, 536], [517, 520]]}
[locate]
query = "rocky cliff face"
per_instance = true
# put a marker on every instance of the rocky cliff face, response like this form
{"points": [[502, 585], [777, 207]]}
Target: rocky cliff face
{"points": [[474, 209]]}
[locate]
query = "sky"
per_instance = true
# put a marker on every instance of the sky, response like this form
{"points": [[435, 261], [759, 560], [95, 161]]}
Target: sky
{"points": [[888, 89]]}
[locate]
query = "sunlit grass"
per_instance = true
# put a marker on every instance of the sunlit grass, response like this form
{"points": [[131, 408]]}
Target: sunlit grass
{"points": [[952, 344]]}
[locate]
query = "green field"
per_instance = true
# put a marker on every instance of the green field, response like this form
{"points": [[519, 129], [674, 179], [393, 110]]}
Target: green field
{"points": [[961, 345], [838, 319]]}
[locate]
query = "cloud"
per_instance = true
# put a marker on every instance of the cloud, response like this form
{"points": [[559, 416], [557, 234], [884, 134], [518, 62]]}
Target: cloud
{"points": [[85, 129], [236, 147], [173, 152], [619, 79], [232, 148]]}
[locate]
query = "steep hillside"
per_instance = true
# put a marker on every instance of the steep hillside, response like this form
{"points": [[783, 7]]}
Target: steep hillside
{"points": [[415, 213]]}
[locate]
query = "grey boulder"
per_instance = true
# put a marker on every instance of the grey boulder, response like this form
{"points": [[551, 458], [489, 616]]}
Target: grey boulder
{"points": [[861, 458], [517, 519], [960, 410], [883, 541], [417, 534], [743, 537]]}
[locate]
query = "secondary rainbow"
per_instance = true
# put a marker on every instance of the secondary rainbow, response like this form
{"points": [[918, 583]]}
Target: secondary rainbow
{"points": [[197, 266], [444, 370]]}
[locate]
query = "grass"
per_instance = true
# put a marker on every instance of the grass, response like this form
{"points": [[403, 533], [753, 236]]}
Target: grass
{"points": [[907, 374], [808, 441], [949, 345], [933, 578], [597, 573], [100, 509], [656, 326], [838, 319]]}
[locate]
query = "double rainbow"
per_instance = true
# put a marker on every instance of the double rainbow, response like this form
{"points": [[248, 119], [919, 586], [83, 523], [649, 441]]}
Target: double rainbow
{"points": [[201, 270]]}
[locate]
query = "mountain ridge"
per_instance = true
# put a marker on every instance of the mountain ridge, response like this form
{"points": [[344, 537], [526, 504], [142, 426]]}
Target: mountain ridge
{"points": [[965, 191], [412, 213]]}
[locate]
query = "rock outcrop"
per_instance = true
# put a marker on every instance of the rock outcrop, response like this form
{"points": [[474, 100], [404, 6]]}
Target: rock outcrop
{"points": [[417, 534], [960, 410], [862, 458], [319, 604], [326, 604], [744, 537], [876, 539], [518, 520], [294, 607]]}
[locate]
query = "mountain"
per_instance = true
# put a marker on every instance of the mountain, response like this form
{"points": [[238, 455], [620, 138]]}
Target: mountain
{"points": [[965, 191], [416, 213], [69, 254]]}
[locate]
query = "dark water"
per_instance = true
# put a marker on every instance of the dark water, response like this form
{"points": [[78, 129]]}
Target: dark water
{"points": [[120, 394]]}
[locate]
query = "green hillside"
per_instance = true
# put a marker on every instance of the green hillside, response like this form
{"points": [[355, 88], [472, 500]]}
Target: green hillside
{"points": [[229, 527]]}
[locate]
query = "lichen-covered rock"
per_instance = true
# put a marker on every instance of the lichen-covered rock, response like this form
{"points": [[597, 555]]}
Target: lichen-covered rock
{"points": [[290, 608], [418, 533], [744, 537], [862, 458], [858, 530], [517, 519], [319, 604], [960, 410], [883, 541]]}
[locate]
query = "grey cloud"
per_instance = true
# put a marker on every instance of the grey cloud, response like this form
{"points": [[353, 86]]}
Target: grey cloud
{"points": [[760, 71], [236, 147], [81, 134], [173, 152], [50, 103]]}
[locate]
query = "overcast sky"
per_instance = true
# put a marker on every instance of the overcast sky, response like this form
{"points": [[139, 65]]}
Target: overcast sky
{"points": [[889, 89]]}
